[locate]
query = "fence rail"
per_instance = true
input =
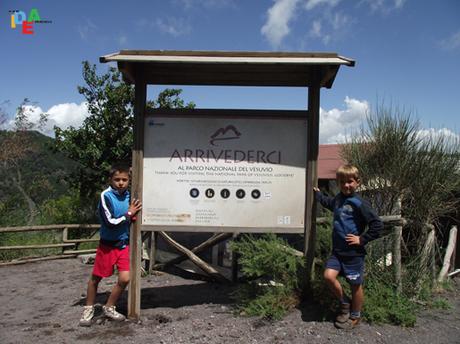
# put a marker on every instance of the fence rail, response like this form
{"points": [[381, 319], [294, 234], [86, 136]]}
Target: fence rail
{"points": [[70, 246]]}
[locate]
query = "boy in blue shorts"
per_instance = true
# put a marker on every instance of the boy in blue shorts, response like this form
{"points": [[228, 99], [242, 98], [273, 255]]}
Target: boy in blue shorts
{"points": [[351, 216], [116, 213]]}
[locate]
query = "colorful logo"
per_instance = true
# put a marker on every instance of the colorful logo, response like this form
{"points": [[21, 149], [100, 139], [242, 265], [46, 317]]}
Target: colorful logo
{"points": [[27, 22]]}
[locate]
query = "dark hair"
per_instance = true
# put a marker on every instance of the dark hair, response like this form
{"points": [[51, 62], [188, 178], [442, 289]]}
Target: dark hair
{"points": [[119, 167]]}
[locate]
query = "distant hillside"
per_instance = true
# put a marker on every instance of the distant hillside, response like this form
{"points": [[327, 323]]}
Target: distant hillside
{"points": [[40, 175]]}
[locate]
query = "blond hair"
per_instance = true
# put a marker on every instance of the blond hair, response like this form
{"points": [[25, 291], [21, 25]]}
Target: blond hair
{"points": [[347, 171]]}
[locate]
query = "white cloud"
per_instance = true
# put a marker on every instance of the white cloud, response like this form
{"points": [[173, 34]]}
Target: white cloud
{"points": [[310, 4], [399, 3], [452, 42], [173, 26], [61, 115], [338, 21], [277, 25], [385, 6], [435, 134], [188, 4], [87, 30], [316, 32], [336, 125], [68, 114]]}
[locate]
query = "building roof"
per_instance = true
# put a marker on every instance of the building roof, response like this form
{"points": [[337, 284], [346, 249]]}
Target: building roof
{"points": [[237, 68], [329, 160]]}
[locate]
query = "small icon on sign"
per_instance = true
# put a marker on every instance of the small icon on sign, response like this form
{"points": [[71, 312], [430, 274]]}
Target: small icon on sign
{"points": [[194, 193], [225, 193], [283, 220], [227, 133], [267, 194], [209, 193], [255, 194], [240, 193]]}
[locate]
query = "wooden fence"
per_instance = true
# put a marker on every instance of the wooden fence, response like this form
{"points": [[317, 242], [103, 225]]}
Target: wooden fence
{"points": [[70, 247]]}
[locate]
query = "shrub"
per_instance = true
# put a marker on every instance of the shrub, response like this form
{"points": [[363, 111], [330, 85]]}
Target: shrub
{"points": [[272, 270]]}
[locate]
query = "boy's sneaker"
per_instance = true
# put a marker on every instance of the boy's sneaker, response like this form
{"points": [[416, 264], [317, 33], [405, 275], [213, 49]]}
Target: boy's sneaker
{"points": [[350, 324], [87, 316], [344, 313], [110, 312]]}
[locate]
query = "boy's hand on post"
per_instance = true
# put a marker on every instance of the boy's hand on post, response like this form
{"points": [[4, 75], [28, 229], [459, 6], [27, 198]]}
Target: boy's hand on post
{"points": [[316, 189], [135, 206], [352, 239]]}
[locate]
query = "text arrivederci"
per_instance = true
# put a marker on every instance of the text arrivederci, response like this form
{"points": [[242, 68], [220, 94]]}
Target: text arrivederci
{"points": [[227, 156]]}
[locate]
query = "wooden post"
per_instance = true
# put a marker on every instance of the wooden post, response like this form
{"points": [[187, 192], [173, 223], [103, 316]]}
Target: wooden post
{"points": [[396, 258], [448, 256], [152, 250], [311, 176], [134, 291], [65, 234]]}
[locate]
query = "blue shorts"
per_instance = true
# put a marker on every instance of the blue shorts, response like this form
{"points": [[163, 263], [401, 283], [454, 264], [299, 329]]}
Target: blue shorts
{"points": [[352, 268]]}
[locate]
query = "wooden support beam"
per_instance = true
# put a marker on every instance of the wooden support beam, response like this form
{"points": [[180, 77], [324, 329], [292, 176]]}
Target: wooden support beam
{"points": [[311, 176], [194, 258], [215, 239], [134, 290]]}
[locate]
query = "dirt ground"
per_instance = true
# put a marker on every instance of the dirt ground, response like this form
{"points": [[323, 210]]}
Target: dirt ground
{"points": [[42, 303]]}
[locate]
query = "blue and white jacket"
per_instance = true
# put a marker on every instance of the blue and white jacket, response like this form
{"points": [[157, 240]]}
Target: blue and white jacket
{"points": [[351, 216], [113, 209]]}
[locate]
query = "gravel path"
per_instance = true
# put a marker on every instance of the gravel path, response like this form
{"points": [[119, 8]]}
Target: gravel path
{"points": [[41, 303]]}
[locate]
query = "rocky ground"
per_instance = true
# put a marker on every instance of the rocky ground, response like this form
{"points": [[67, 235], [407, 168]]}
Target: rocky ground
{"points": [[41, 303]]}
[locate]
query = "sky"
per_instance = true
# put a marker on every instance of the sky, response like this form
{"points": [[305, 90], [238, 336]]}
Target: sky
{"points": [[407, 54]]}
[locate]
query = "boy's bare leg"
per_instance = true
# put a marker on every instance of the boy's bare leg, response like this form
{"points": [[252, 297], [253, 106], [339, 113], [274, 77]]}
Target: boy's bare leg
{"points": [[91, 291], [117, 290], [357, 299], [330, 276]]}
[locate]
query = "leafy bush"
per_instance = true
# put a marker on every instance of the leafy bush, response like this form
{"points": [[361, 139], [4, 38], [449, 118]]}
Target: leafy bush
{"points": [[272, 270], [383, 305]]}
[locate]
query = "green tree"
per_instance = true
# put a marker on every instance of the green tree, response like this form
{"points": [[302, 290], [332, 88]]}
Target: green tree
{"points": [[400, 166], [15, 145], [106, 134]]}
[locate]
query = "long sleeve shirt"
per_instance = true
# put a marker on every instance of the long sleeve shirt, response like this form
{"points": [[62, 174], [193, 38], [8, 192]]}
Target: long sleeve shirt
{"points": [[351, 216], [112, 210]]}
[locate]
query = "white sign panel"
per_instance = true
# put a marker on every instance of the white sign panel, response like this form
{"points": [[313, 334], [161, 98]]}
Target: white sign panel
{"points": [[224, 174]]}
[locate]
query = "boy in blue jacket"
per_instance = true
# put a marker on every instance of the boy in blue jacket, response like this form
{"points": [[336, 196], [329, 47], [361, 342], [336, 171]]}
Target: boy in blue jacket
{"points": [[351, 216], [116, 214]]}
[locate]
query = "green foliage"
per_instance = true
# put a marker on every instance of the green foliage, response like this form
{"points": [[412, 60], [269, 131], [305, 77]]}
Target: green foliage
{"points": [[273, 269], [323, 245], [106, 135], [383, 305], [268, 302], [67, 208], [36, 178], [29, 238], [441, 303], [403, 172]]}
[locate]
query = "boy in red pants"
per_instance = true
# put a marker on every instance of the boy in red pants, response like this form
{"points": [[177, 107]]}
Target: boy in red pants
{"points": [[116, 214]]}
